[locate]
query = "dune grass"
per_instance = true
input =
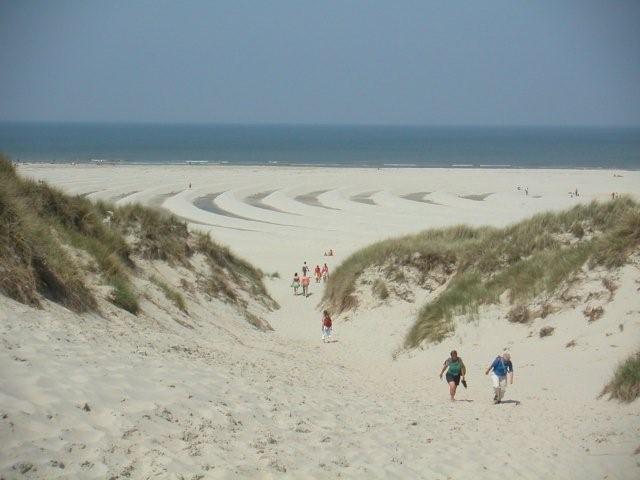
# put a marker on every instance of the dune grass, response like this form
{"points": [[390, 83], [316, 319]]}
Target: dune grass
{"points": [[32, 261], [228, 269], [38, 221], [171, 294], [625, 385], [530, 258]]}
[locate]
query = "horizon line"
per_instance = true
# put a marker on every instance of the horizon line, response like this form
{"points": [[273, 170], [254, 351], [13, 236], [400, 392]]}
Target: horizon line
{"points": [[311, 124]]}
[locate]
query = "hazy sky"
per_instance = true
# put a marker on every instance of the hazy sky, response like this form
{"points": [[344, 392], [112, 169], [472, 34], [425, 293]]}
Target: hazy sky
{"points": [[442, 62]]}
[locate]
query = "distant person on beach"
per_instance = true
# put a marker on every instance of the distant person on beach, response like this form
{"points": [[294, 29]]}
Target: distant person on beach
{"points": [[500, 369], [305, 285], [325, 272], [326, 326], [305, 269], [455, 370], [318, 273], [296, 283], [329, 254]]}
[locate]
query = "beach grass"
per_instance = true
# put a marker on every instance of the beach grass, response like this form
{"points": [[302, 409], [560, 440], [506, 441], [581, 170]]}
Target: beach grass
{"points": [[527, 259], [38, 224], [625, 385], [172, 294]]}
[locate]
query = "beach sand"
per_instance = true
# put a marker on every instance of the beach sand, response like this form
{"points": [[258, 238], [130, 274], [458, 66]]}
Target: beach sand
{"points": [[219, 399]]}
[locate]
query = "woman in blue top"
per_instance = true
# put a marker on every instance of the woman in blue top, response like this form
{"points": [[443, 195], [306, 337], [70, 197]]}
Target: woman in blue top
{"points": [[502, 368]]}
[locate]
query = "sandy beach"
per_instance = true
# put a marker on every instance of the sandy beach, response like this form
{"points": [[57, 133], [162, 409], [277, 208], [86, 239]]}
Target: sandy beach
{"points": [[148, 397]]}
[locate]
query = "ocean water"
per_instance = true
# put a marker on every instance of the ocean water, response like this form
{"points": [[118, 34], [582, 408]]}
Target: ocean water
{"points": [[346, 146]]}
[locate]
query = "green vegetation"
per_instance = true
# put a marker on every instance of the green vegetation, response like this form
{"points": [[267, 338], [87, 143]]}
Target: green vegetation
{"points": [[625, 385], [527, 259], [380, 290], [173, 295], [227, 269], [38, 224], [32, 259]]}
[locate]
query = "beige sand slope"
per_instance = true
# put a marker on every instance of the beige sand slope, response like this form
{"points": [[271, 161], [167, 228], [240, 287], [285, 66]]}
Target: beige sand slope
{"points": [[210, 397]]}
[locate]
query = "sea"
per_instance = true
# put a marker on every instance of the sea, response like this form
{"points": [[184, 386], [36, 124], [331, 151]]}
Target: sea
{"points": [[324, 145]]}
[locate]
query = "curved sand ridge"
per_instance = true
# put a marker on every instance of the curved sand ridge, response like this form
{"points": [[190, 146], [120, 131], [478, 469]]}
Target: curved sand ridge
{"points": [[314, 209], [284, 401]]}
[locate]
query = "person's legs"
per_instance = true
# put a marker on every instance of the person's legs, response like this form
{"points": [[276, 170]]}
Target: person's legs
{"points": [[495, 380], [452, 389], [503, 387]]}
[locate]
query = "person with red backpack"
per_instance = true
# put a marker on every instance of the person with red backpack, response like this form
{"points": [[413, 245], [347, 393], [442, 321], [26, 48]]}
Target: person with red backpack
{"points": [[326, 326]]}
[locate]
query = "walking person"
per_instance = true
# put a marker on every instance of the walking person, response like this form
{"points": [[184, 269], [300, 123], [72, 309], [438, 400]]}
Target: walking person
{"points": [[296, 283], [318, 273], [500, 369], [326, 326], [305, 269], [325, 273], [305, 284], [455, 370]]}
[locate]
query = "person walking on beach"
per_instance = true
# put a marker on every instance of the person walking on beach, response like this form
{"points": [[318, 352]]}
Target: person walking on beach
{"points": [[326, 326], [325, 273], [305, 269], [296, 283], [500, 369], [318, 273], [305, 285], [455, 370]]}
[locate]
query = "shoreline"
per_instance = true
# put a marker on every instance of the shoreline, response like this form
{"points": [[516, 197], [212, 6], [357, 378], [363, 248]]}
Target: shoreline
{"points": [[325, 166]]}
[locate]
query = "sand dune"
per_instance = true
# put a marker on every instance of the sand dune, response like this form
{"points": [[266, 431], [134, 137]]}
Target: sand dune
{"points": [[206, 396]]}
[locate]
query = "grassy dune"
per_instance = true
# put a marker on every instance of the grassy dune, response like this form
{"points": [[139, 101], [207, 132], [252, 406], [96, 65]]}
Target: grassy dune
{"points": [[530, 258], [38, 224]]}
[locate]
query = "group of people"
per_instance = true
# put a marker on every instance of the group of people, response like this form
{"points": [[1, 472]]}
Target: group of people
{"points": [[501, 370], [320, 273]]}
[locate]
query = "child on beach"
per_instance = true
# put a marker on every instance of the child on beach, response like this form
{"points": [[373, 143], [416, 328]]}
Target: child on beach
{"points": [[296, 283], [502, 367], [326, 326], [305, 285], [318, 273]]}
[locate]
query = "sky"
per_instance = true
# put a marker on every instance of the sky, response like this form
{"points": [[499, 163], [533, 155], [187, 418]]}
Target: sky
{"points": [[489, 62]]}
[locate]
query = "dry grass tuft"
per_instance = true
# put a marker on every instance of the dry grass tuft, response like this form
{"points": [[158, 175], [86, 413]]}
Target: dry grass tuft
{"points": [[546, 331], [593, 313], [519, 314], [625, 385], [380, 290], [171, 294]]}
